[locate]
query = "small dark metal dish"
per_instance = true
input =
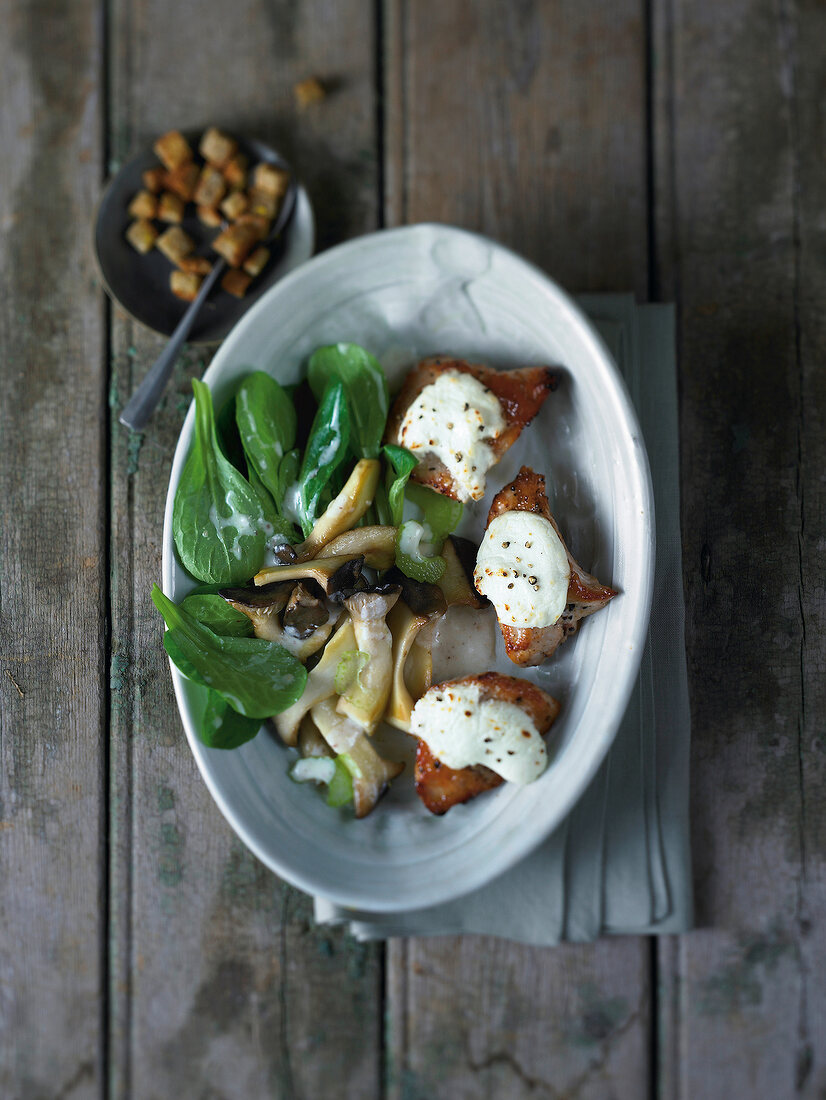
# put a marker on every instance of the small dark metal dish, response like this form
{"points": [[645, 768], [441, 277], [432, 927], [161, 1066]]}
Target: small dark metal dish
{"points": [[140, 283]]}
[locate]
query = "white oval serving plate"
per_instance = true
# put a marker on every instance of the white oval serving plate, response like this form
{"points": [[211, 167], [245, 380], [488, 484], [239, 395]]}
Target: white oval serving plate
{"points": [[404, 294]]}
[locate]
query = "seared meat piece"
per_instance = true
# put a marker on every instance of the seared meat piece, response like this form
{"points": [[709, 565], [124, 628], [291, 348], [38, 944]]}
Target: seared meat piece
{"points": [[533, 645], [441, 787], [520, 394]]}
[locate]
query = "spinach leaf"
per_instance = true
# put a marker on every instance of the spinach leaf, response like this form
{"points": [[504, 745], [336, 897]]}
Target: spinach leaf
{"points": [[257, 678], [274, 522], [326, 450], [214, 612], [217, 519], [441, 514], [221, 727], [218, 725], [267, 425], [228, 438], [365, 386], [402, 463]]}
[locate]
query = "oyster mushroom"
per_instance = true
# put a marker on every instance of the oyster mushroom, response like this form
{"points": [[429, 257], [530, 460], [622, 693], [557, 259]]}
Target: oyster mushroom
{"points": [[365, 700], [346, 510], [377, 544], [305, 611], [262, 606], [321, 683], [457, 580], [420, 604], [331, 573], [371, 773]]}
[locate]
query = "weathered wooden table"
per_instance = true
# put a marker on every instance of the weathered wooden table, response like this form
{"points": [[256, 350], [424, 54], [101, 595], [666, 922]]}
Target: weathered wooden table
{"points": [[669, 147]]}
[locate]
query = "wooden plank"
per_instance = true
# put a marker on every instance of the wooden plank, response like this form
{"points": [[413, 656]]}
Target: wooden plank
{"points": [[739, 189], [526, 122], [53, 565], [220, 984]]}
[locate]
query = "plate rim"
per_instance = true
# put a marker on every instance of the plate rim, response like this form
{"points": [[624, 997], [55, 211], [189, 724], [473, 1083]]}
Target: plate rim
{"points": [[528, 841]]}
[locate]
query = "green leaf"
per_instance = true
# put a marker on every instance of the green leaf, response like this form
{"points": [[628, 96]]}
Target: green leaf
{"points": [[256, 677], [349, 669], [221, 727], [267, 425], [274, 524], [220, 617], [402, 463], [441, 514], [340, 788], [217, 518], [410, 557], [326, 450], [365, 386], [228, 438]]}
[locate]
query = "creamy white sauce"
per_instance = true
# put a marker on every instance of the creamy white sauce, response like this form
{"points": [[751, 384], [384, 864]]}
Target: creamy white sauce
{"points": [[464, 642], [455, 419], [461, 729], [290, 505], [523, 569], [237, 520], [315, 769]]}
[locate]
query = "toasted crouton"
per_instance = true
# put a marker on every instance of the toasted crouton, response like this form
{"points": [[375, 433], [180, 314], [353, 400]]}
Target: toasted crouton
{"points": [[235, 243], [236, 283], [195, 265], [175, 244], [263, 203], [144, 205], [308, 91], [235, 171], [170, 207], [271, 180], [234, 205], [172, 149], [153, 180], [208, 215], [255, 264], [259, 223], [217, 148], [185, 285], [211, 187], [183, 180], [141, 234]]}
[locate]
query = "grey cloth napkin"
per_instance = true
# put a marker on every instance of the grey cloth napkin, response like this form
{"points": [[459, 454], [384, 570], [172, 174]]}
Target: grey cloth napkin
{"points": [[620, 862]]}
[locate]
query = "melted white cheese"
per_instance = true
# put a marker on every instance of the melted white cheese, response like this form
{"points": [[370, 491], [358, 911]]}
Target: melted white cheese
{"points": [[455, 419], [523, 569], [461, 730]]}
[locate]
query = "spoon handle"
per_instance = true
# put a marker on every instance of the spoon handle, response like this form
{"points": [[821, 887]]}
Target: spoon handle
{"points": [[142, 403]]}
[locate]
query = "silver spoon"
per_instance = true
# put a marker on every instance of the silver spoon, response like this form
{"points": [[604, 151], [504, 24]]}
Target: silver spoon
{"points": [[142, 403]]}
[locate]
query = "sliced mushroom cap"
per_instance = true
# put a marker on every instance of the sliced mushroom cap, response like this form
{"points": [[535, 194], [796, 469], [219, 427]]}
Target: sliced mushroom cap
{"points": [[426, 601], [332, 573], [305, 611], [457, 580], [346, 509], [377, 544], [366, 699], [262, 606], [372, 772]]}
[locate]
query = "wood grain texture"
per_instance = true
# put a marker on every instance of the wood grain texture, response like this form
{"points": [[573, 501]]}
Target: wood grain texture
{"points": [[740, 242], [525, 122], [220, 986], [52, 556]]}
